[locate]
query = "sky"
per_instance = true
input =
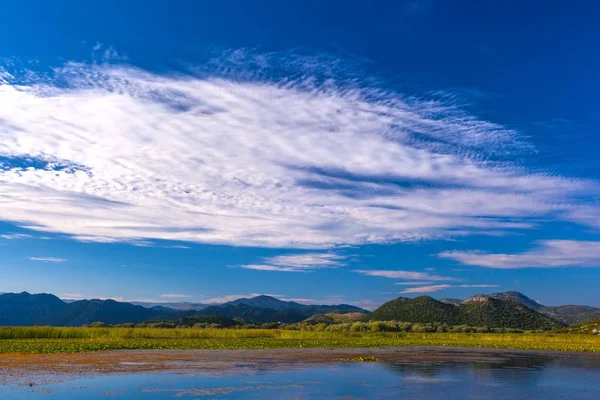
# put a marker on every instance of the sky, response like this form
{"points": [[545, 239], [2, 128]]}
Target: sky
{"points": [[322, 152]]}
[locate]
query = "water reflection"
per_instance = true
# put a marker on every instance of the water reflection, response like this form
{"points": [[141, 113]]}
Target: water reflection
{"points": [[501, 377]]}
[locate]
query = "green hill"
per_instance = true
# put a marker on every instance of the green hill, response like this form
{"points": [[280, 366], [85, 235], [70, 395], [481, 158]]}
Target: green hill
{"points": [[478, 310], [423, 309], [495, 313], [517, 296], [587, 327]]}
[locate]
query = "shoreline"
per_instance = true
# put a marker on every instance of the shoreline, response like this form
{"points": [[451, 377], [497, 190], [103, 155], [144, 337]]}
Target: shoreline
{"points": [[15, 368]]}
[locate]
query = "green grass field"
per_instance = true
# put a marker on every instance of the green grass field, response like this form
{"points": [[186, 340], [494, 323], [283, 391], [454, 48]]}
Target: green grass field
{"points": [[73, 340]]}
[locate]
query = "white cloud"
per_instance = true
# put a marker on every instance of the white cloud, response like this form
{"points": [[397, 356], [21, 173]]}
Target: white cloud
{"points": [[437, 288], [263, 267], [15, 236], [412, 283], [48, 259], [71, 296], [549, 254], [299, 262], [113, 153], [404, 275], [176, 296], [328, 300], [426, 289]]}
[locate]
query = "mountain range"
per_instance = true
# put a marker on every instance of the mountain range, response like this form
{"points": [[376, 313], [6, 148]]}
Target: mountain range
{"points": [[182, 306], [262, 309], [23, 309], [507, 309]]}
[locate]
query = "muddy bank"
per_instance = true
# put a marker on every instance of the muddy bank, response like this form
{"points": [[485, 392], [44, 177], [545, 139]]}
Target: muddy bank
{"points": [[31, 367]]}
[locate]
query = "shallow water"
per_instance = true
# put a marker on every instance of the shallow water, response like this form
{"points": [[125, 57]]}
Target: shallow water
{"points": [[518, 377]]}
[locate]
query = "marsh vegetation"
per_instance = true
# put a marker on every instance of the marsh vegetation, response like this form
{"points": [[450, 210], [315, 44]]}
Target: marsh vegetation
{"points": [[72, 340]]}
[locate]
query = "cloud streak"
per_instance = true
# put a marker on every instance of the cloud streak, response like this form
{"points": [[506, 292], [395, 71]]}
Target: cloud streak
{"points": [[437, 288], [114, 153], [71, 296], [304, 262], [16, 236], [548, 254], [410, 275], [48, 259]]}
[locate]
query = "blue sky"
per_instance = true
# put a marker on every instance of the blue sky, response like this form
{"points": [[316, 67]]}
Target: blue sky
{"points": [[338, 152]]}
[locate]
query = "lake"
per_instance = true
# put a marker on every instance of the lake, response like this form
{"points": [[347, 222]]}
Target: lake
{"points": [[517, 376]]}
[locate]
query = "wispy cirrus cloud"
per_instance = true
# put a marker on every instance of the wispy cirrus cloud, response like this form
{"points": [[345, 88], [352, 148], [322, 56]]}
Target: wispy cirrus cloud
{"points": [[48, 259], [299, 262], [410, 275], [175, 296], [548, 254], [114, 153], [16, 236], [437, 288]]}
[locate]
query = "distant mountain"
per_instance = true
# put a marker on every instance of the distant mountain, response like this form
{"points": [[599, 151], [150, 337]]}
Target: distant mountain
{"points": [[27, 309], [46, 309], [334, 318], [85, 312], [254, 315], [261, 309], [571, 314], [568, 314], [508, 309], [264, 301], [335, 309], [478, 310], [182, 306], [455, 302]]}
